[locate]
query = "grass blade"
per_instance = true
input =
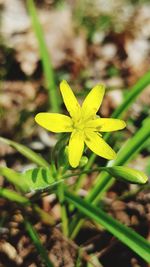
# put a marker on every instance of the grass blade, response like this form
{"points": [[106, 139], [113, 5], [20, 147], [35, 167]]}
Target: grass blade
{"points": [[36, 240], [26, 152], [132, 95], [45, 57], [22, 200], [15, 178], [13, 196], [126, 235]]}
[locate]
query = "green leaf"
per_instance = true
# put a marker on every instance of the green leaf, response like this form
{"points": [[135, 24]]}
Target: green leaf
{"points": [[27, 152], [126, 235], [39, 179], [15, 178], [127, 174], [132, 95], [36, 179], [36, 240], [13, 196]]}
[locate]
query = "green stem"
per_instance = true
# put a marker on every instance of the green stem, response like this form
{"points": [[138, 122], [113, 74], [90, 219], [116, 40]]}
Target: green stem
{"points": [[82, 176], [65, 176], [60, 195]]}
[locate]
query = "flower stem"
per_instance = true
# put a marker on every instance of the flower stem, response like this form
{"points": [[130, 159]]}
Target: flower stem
{"points": [[60, 195]]}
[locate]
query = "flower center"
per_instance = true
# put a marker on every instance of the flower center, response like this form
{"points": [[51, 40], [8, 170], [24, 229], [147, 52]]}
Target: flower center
{"points": [[79, 124]]}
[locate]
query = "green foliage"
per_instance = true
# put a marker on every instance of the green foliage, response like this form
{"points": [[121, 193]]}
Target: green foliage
{"points": [[36, 179], [53, 179], [39, 179]]}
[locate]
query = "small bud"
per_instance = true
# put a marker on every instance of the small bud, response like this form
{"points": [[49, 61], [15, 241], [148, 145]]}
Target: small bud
{"points": [[128, 174], [83, 161]]}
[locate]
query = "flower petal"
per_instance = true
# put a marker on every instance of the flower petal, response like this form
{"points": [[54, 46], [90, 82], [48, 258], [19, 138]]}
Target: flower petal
{"points": [[93, 101], [70, 100], [106, 125], [98, 145], [76, 146], [54, 122]]}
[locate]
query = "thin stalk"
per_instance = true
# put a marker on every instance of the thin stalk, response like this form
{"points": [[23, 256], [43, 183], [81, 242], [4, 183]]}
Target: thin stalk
{"points": [[45, 57], [60, 195], [65, 176], [132, 95], [64, 217], [82, 176]]}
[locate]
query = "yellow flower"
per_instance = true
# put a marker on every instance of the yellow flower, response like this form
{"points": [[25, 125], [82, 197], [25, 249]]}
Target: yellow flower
{"points": [[83, 124]]}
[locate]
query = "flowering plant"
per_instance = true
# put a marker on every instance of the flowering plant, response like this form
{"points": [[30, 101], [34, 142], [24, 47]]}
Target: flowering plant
{"points": [[83, 124], [86, 127]]}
